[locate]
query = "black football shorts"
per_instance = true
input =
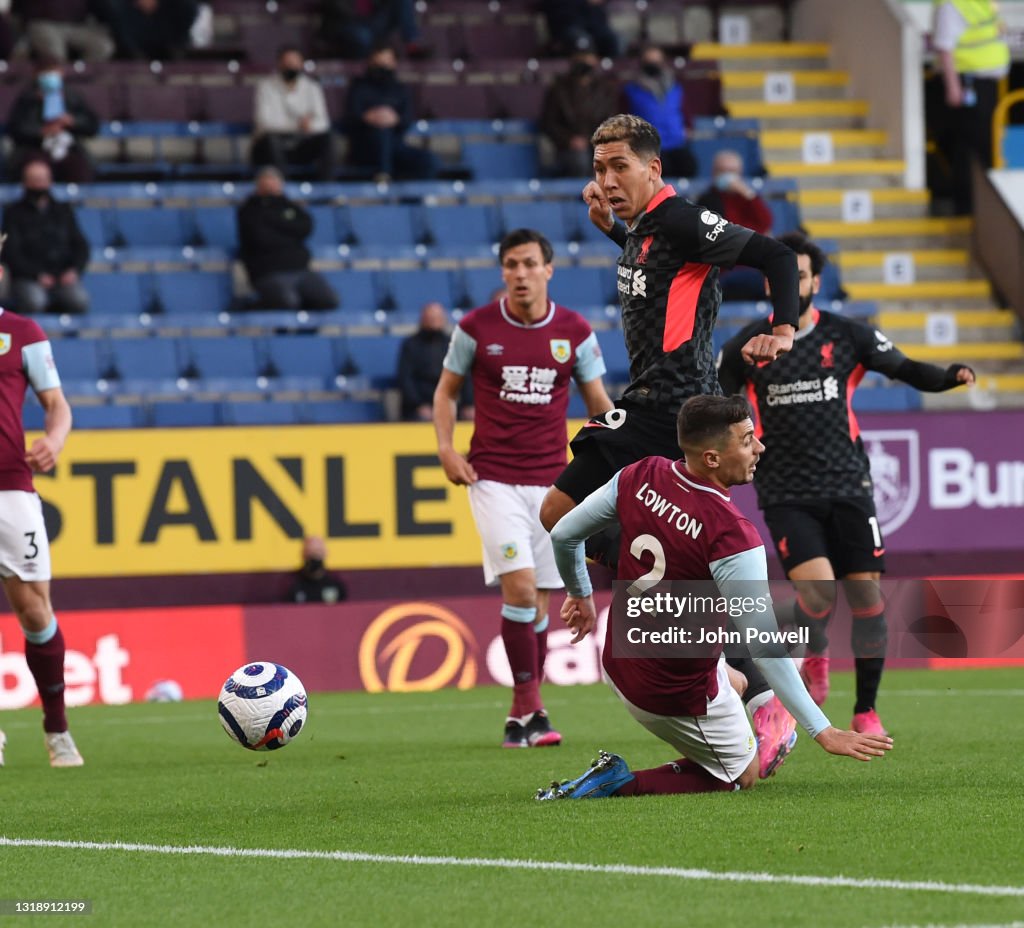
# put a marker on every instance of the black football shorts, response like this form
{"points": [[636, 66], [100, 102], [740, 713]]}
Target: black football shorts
{"points": [[607, 443], [845, 530]]}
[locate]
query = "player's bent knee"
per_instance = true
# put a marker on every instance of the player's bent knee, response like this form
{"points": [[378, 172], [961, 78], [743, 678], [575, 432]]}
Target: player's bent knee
{"points": [[556, 504]]}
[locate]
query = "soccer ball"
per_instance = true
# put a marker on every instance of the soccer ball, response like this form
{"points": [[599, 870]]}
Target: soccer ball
{"points": [[165, 691], [262, 706]]}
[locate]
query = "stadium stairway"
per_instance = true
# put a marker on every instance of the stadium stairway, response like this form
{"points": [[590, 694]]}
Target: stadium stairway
{"points": [[931, 298]]}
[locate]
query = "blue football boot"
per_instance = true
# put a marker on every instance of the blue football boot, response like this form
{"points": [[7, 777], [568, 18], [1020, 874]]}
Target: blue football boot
{"points": [[602, 778]]}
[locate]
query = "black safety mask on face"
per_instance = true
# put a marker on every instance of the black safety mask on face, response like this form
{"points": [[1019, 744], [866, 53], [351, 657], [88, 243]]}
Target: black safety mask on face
{"points": [[35, 195], [289, 74], [380, 75], [581, 69], [313, 566]]}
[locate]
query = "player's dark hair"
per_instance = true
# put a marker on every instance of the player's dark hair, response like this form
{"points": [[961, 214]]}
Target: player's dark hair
{"points": [[518, 237], [802, 245], [637, 133], [705, 420]]}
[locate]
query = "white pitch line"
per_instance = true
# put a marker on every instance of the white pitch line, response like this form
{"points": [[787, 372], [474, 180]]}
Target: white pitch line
{"points": [[500, 863]]}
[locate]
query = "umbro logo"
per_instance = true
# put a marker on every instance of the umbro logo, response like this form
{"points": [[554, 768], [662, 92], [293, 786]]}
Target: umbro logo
{"points": [[495, 349]]}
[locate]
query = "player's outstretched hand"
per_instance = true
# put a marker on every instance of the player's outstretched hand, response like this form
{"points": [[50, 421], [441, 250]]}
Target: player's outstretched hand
{"points": [[854, 744], [42, 456], [580, 615], [456, 468], [965, 375], [600, 209]]}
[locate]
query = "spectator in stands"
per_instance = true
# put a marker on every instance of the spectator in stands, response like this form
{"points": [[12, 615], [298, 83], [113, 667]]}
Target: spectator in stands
{"points": [[290, 121], [48, 121], [313, 582], [272, 231], [353, 28], [45, 251], [420, 362], [157, 30], [575, 102], [379, 110], [657, 96], [732, 197], [57, 27], [573, 21], [973, 58]]}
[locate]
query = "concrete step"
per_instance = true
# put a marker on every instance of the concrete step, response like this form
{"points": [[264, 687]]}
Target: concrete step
{"points": [[895, 234], [807, 85], [858, 174], [966, 352], [929, 265], [972, 325], [787, 145], [812, 115], [937, 290], [887, 203], [764, 56], [982, 397]]}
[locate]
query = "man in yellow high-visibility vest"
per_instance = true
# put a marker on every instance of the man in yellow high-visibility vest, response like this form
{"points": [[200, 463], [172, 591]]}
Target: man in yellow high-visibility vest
{"points": [[973, 57]]}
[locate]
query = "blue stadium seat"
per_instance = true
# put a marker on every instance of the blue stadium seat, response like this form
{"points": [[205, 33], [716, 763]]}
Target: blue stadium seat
{"points": [[193, 291], [831, 289], [146, 358], [409, 290], [546, 218], [270, 412], [162, 226], [186, 415], [325, 231], [785, 215], [384, 224], [94, 225], [32, 414], [359, 290], [895, 398], [616, 359], [577, 287], [376, 357], [747, 147], [126, 293], [479, 283], [499, 160], [231, 357], [217, 226], [77, 359], [302, 356], [108, 417], [460, 225], [343, 411]]}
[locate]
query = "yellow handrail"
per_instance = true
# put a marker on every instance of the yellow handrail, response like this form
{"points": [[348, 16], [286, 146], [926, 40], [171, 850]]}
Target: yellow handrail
{"points": [[999, 125]]}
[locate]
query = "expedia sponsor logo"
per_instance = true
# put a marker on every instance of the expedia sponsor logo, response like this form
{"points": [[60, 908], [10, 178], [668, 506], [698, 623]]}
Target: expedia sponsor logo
{"points": [[417, 647]]}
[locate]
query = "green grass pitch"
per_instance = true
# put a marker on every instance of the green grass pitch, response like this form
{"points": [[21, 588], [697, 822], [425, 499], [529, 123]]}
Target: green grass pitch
{"points": [[420, 775]]}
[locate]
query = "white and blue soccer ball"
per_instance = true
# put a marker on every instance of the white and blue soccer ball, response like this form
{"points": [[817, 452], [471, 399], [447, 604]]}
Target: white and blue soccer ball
{"points": [[262, 706]]}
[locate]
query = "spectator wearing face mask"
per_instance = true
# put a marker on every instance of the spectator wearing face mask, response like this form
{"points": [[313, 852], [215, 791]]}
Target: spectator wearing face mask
{"points": [[313, 582], [48, 122], [575, 102], [657, 96], [378, 112], [290, 122], [45, 251], [733, 198]]}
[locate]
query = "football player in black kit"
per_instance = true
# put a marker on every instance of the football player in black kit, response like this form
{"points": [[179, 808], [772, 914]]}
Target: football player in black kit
{"points": [[669, 296], [814, 481]]}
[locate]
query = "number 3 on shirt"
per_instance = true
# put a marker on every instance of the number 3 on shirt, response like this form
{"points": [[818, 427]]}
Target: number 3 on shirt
{"points": [[33, 547]]}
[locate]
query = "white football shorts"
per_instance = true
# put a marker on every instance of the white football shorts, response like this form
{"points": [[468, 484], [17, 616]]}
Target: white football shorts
{"points": [[24, 547], [508, 520], [722, 741]]}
